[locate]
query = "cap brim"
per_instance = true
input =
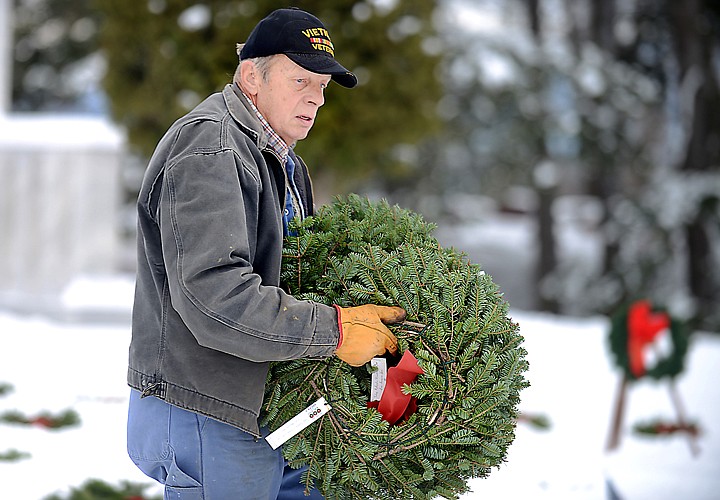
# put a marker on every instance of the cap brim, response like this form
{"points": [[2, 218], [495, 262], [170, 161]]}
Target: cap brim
{"points": [[325, 66]]}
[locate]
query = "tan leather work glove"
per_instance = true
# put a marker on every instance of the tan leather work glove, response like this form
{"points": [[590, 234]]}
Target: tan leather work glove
{"points": [[363, 334]]}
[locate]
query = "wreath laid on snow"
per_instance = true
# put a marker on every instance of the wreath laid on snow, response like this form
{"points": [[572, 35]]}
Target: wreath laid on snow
{"points": [[44, 419], [458, 380], [647, 342]]}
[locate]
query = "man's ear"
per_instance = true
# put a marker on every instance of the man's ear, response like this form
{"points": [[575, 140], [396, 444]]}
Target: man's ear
{"points": [[249, 77]]}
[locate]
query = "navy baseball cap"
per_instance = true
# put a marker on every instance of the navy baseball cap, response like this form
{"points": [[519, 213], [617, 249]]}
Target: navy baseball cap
{"points": [[303, 38]]}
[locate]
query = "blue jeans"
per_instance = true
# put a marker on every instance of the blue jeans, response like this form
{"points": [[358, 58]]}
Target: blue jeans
{"points": [[199, 458]]}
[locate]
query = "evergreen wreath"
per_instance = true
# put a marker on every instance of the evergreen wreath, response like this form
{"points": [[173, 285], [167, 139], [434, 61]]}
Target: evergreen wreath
{"points": [[671, 365], [354, 252], [97, 489]]}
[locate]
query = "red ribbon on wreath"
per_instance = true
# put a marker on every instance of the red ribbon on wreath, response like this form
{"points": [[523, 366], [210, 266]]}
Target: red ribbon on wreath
{"points": [[394, 405], [643, 327]]}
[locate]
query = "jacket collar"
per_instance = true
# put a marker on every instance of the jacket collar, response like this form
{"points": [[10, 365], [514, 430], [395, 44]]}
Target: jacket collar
{"points": [[239, 109]]}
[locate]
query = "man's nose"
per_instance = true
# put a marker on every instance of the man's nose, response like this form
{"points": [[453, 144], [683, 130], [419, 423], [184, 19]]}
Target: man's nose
{"points": [[317, 95]]}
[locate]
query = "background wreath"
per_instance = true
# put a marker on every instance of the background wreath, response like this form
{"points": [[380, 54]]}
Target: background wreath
{"points": [[671, 365], [355, 251]]}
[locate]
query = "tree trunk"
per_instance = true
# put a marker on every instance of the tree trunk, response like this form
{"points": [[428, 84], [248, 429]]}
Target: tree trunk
{"points": [[603, 180], [602, 24], [694, 40], [547, 259], [533, 8]]}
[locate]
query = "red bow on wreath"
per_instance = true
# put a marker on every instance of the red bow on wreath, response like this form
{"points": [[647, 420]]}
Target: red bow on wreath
{"points": [[394, 405], [643, 327]]}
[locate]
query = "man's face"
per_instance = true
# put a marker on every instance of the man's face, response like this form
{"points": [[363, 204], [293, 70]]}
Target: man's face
{"points": [[290, 98]]}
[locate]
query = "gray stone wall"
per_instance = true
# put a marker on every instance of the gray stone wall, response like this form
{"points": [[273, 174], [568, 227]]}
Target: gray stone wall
{"points": [[60, 189]]}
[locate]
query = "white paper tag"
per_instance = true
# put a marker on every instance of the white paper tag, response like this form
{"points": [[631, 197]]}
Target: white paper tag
{"points": [[379, 378], [306, 417]]}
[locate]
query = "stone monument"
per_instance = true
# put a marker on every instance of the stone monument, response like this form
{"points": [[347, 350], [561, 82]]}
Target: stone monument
{"points": [[60, 190]]}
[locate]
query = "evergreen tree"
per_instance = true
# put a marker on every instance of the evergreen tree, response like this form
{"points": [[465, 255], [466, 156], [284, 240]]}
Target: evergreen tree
{"points": [[55, 60], [354, 252], [164, 56]]}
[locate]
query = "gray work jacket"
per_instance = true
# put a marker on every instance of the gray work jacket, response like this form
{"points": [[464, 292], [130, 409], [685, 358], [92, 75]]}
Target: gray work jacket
{"points": [[208, 314]]}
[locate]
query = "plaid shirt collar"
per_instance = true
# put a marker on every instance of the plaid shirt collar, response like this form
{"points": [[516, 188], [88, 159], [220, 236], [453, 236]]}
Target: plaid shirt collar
{"points": [[274, 140]]}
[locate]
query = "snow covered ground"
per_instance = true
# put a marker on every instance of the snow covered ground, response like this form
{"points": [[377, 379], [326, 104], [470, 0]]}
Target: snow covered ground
{"points": [[55, 365]]}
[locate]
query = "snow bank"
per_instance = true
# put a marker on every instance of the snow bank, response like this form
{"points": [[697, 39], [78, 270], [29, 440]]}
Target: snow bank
{"points": [[58, 365]]}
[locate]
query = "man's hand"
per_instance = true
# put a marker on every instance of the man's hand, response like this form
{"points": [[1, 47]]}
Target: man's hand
{"points": [[363, 334]]}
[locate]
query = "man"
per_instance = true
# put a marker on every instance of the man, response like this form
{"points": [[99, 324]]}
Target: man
{"points": [[208, 314]]}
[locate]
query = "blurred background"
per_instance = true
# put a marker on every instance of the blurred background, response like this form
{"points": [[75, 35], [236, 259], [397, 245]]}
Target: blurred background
{"points": [[587, 130], [571, 147]]}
